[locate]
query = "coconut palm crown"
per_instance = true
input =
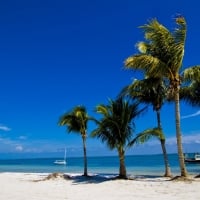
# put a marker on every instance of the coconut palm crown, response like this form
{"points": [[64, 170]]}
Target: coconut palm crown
{"points": [[76, 121]]}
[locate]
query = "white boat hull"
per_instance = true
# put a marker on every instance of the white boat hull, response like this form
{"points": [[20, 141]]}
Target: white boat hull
{"points": [[60, 162]]}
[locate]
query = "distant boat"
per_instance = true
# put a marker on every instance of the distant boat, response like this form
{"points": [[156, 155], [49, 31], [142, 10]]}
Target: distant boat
{"points": [[61, 162], [192, 159]]}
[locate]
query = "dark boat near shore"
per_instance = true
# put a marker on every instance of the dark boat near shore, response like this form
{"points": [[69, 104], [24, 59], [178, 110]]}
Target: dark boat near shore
{"points": [[195, 158]]}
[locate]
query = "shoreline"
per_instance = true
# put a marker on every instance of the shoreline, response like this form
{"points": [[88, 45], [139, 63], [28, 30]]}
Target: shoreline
{"points": [[135, 165], [18, 186]]}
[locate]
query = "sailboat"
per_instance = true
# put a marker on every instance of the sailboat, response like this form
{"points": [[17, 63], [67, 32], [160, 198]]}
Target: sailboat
{"points": [[61, 162]]}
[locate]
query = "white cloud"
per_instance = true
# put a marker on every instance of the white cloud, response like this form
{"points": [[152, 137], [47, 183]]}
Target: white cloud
{"points": [[4, 128], [191, 115], [19, 148]]}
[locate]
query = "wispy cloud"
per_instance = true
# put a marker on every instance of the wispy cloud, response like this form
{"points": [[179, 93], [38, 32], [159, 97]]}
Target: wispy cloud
{"points": [[186, 139], [191, 115], [22, 144], [4, 128], [193, 138]]}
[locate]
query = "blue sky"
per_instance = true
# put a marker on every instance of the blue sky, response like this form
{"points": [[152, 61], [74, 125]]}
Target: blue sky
{"points": [[55, 55]]}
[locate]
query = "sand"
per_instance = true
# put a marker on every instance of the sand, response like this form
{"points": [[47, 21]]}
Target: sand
{"points": [[30, 186]]}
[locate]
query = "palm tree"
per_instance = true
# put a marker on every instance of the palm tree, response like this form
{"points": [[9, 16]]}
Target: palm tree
{"points": [[116, 127], [151, 91], [161, 55], [76, 121]]}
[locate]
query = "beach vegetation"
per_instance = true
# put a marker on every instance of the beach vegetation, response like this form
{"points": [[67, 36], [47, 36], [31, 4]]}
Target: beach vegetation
{"points": [[162, 56], [77, 121], [151, 91], [116, 126]]}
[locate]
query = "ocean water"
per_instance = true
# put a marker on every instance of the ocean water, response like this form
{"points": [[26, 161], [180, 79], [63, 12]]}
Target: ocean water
{"points": [[136, 165]]}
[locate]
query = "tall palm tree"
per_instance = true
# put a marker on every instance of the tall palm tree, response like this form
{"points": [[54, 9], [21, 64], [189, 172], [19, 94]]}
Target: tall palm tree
{"points": [[116, 127], [161, 55], [151, 91], [76, 121]]}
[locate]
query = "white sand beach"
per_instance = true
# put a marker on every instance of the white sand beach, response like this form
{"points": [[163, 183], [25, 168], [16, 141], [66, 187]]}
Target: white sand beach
{"points": [[30, 186]]}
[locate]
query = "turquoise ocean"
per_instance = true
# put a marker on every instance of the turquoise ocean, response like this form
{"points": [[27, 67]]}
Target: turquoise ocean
{"points": [[136, 165]]}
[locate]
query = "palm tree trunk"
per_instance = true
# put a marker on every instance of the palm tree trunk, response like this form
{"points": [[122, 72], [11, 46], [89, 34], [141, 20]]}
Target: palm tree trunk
{"points": [[166, 161], [85, 156], [162, 141], [179, 135], [158, 119], [122, 168]]}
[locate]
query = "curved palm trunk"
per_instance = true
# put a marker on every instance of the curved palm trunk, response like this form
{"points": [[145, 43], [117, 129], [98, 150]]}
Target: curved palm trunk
{"points": [[162, 141], [166, 161], [85, 156], [122, 168], [178, 134]]}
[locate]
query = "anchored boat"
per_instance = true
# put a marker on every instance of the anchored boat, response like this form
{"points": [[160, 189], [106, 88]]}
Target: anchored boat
{"points": [[192, 159], [61, 162]]}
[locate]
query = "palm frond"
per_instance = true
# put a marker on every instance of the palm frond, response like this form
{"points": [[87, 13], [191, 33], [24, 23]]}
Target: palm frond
{"points": [[116, 127], [180, 32], [147, 63], [75, 120], [149, 91], [160, 39], [102, 109], [192, 73], [191, 93], [143, 47], [147, 135], [156, 32]]}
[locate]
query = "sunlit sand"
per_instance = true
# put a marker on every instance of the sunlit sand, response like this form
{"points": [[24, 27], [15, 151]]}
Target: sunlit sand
{"points": [[18, 186]]}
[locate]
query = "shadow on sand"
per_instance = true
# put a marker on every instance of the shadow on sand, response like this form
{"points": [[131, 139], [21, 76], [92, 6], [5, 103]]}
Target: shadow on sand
{"points": [[99, 178], [78, 179], [152, 178]]}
